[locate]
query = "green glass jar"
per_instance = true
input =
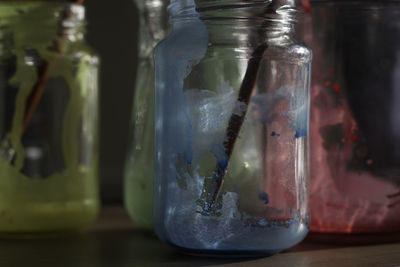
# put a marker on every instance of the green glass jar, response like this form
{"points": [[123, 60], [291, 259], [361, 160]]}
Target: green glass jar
{"points": [[139, 166], [48, 119]]}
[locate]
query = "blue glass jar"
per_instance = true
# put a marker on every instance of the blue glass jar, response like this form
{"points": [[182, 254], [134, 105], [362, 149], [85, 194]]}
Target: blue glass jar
{"points": [[231, 128]]}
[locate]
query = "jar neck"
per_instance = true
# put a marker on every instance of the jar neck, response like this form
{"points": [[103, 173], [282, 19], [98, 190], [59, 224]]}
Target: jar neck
{"points": [[238, 21], [153, 24], [39, 23]]}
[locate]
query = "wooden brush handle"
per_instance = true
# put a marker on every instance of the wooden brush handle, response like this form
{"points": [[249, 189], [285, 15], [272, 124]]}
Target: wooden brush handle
{"points": [[39, 87], [234, 125]]}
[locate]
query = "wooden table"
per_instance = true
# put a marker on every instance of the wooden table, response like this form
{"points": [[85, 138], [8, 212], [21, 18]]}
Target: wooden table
{"points": [[113, 241]]}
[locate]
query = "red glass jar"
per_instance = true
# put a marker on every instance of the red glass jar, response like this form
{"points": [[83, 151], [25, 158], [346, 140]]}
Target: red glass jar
{"points": [[355, 116]]}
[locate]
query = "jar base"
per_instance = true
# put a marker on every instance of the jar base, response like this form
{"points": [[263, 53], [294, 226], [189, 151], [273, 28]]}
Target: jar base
{"points": [[46, 219], [252, 242], [227, 253], [353, 238], [38, 235]]}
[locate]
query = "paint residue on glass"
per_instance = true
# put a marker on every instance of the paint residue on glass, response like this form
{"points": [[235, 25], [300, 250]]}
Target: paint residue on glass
{"points": [[191, 125]]}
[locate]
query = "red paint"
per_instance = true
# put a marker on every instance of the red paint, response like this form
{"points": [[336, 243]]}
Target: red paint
{"points": [[340, 108], [313, 88], [330, 69], [336, 88], [355, 138], [314, 69], [327, 83], [306, 4]]}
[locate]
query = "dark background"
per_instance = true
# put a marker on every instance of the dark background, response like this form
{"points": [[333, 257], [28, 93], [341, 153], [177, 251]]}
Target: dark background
{"points": [[112, 32]]}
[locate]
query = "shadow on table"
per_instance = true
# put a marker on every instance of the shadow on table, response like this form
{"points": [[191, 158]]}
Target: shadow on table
{"points": [[114, 241], [117, 248]]}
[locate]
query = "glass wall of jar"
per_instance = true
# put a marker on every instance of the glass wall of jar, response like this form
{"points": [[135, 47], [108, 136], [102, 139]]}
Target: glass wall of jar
{"points": [[231, 127], [139, 165], [48, 119], [355, 116]]}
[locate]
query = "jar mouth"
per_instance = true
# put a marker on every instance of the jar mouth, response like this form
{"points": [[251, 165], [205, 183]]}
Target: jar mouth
{"points": [[361, 2], [264, 13], [42, 14], [181, 7], [282, 12], [13, 9], [204, 5], [229, 4], [47, 18]]}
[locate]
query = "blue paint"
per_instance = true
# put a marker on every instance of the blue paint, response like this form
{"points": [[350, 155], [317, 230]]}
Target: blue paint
{"points": [[263, 222], [189, 140], [174, 64], [183, 129], [219, 152], [264, 196], [299, 116], [263, 105], [279, 211], [300, 133], [175, 57]]}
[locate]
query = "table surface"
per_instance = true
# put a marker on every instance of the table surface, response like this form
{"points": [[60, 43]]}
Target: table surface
{"points": [[115, 241]]}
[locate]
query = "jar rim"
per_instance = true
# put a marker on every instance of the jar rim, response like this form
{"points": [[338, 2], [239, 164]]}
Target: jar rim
{"points": [[13, 9], [275, 11]]}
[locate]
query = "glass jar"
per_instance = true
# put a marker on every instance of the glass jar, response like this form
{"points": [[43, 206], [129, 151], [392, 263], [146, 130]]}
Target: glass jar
{"points": [[355, 116], [231, 128], [139, 165], [48, 119]]}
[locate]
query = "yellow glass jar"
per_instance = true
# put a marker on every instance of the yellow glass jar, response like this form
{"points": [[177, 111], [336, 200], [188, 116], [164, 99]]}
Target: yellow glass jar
{"points": [[48, 119]]}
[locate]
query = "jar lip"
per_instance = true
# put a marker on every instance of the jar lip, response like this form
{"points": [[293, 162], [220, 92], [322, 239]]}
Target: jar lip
{"points": [[229, 4], [180, 10], [76, 11], [263, 12], [48, 19], [9, 10], [354, 1], [232, 4], [356, 4], [177, 5], [279, 11]]}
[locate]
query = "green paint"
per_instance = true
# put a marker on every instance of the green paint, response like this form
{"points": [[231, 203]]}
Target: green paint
{"points": [[139, 166]]}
